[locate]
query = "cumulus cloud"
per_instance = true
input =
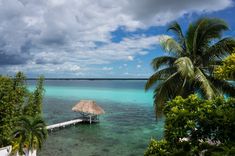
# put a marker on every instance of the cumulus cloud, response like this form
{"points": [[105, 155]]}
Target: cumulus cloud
{"points": [[60, 35]]}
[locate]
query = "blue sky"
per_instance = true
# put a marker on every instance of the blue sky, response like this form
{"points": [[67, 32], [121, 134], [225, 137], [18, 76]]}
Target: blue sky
{"points": [[87, 38]]}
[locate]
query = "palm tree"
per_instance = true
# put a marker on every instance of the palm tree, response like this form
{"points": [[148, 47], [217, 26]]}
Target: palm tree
{"points": [[188, 68], [29, 135]]}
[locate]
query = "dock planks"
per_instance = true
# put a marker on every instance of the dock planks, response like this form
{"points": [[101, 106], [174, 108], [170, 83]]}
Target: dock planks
{"points": [[63, 124]]}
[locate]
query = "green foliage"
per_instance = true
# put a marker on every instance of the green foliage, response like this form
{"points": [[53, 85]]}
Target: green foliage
{"points": [[12, 96], [34, 103], [194, 125], [160, 147], [16, 101], [30, 133], [198, 119], [227, 69], [191, 61]]}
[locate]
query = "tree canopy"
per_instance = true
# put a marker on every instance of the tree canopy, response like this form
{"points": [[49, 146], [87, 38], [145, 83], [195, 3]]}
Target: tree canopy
{"points": [[188, 67]]}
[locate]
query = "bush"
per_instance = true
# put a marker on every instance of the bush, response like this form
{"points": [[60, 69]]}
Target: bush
{"points": [[161, 147], [194, 126], [227, 69]]}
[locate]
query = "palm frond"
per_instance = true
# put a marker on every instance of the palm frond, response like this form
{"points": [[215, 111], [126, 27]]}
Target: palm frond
{"points": [[167, 90], [159, 75], [170, 45], [205, 84], [185, 67], [162, 61], [220, 49], [175, 27], [190, 37], [30, 132], [210, 29], [202, 32], [213, 29], [223, 86]]}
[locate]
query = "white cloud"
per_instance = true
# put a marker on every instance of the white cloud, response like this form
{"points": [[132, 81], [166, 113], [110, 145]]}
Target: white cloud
{"points": [[61, 36], [138, 66], [47, 69], [107, 68], [75, 68], [131, 58]]}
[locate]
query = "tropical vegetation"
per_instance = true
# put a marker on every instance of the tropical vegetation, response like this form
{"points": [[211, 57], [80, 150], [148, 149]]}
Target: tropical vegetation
{"points": [[191, 88], [29, 134], [12, 98], [227, 69], [21, 123], [194, 126], [191, 59]]}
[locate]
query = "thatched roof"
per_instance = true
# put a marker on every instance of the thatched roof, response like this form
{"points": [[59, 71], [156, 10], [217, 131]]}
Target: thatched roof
{"points": [[88, 106]]}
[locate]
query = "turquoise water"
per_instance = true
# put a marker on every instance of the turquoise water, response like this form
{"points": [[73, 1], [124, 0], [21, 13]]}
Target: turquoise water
{"points": [[125, 129]]}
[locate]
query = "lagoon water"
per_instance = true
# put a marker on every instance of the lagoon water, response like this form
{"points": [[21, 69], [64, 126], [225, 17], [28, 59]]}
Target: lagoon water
{"points": [[125, 129]]}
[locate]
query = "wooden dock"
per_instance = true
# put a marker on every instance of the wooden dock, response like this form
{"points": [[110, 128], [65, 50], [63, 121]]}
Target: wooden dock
{"points": [[64, 124]]}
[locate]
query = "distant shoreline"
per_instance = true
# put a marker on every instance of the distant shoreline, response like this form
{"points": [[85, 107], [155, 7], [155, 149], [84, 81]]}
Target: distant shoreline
{"points": [[90, 79]]}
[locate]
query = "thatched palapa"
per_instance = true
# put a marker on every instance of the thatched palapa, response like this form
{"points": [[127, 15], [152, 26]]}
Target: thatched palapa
{"points": [[88, 106]]}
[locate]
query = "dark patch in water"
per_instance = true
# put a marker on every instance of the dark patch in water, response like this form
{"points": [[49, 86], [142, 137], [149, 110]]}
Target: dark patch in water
{"points": [[105, 150]]}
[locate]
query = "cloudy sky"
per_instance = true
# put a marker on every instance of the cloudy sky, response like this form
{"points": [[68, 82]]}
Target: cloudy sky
{"points": [[94, 38]]}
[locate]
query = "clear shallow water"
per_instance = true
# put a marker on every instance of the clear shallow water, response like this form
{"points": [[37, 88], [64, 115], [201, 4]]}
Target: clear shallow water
{"points": [[125, 129]]}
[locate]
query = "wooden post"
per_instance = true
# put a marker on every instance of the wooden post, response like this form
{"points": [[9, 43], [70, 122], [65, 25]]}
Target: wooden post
{"points": [[90, 119]]}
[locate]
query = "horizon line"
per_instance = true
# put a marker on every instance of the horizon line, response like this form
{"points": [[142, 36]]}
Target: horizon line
{"points": [[89, 78]]}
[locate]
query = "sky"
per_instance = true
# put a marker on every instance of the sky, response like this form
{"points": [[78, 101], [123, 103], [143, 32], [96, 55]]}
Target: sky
{"points": [[94, 38]]}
